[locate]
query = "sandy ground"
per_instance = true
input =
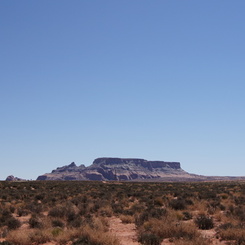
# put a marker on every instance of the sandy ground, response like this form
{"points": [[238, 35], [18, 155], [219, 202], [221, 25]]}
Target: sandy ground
{"points": [[126, 233]]}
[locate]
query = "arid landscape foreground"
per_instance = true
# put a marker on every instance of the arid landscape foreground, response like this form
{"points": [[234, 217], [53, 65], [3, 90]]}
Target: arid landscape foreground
{"points": [[113, 213]]}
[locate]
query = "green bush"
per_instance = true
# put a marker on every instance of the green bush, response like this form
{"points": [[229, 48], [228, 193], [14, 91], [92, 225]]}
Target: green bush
{"points": [[57, 231]]}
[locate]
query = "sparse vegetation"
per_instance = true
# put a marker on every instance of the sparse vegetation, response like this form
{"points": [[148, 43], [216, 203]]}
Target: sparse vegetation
{"points": [[79, 212]]}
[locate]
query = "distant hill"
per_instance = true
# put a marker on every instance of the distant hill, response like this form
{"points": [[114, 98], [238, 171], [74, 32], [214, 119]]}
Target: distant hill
{"points": [[122, 169], [12, 178]]}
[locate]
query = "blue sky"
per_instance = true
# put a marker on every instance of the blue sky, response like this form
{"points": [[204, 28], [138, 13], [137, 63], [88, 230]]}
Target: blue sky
{"points": [[160, 80]]}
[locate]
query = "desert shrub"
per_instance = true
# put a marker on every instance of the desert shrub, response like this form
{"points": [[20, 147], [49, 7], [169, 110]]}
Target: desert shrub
{"points": [[204, 222], [4, 197], [156, 212], [239, 212], [158, 201], [22, 212], [35, 207], [35, 222], [94, 207], [40, 237], [12, 209], [82, 209], [106, 211], [76, 223], [4, 216], [214, 205], [58, 223], [189, 202], [71, 215], [126, 219], [230, 210], [141, 218], [177, 204], [5, 243], [138, 207], [128, 212], [13, 223], [76, 201], [117, 208], [226, 226], [4, 232], [99, 224], [65, 237], [240, 200], [6, 213], [40, 196], [187, 215], [149, 239], [57, 212], [85, 240]]}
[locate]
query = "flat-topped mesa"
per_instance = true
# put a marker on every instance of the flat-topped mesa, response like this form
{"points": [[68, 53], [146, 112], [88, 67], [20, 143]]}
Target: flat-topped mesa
{"points": [[136, 161], [112, 168]]}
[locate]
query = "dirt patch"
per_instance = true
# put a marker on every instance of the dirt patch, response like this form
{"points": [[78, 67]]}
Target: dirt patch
{"points": [[126, 233]]}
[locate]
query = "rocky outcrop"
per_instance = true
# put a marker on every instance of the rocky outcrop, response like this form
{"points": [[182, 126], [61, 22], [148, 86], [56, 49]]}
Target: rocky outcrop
{"points": [[69, 168], [68, 172], [12, 178], [117, 169]]}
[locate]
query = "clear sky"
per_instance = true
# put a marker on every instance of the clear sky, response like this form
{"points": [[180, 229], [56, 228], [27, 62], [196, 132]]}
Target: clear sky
{"points": [[159, 80]]}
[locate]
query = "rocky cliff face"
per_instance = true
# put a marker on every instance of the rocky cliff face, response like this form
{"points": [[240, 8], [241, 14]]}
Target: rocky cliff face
{"points": [[117, 169]]}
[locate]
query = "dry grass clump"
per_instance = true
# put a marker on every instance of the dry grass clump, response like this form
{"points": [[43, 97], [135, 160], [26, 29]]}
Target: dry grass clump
{"points": [[229, 231], [106, 211], [127, 219], [28, 237], [19, 238], [96, 237], [157, 230]]}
